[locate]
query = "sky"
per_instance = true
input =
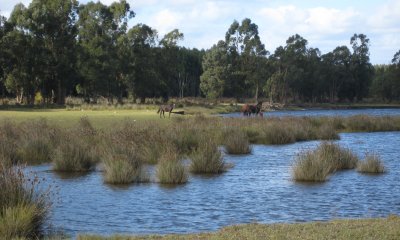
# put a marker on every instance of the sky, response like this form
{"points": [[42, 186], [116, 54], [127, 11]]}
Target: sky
{"points": [[325, 24]]}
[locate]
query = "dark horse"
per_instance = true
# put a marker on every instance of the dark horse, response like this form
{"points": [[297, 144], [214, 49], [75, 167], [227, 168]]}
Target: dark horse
{"points": [[166, 108], [249, 109]]}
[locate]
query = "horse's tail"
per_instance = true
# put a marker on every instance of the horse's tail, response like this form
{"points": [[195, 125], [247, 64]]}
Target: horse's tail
{"points": [[159, 109]]}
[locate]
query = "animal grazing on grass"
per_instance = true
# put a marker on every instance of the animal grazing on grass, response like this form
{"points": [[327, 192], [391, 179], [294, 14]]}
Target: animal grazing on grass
{"points": [[166, 108], [249, 109]]}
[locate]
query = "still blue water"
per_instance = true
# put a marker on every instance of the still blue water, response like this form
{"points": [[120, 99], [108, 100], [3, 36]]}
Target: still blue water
{"points": [[258, 188]]}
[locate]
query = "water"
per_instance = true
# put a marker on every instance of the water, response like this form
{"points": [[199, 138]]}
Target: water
{"points": [[257, 189], [324, 112]]}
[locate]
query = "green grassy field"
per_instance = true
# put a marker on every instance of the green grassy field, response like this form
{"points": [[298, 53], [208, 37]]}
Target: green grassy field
{"points": [[378, 228], [103, 118], [68, 118]]}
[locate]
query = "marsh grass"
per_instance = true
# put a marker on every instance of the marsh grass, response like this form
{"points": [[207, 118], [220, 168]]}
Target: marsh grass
{"points": [[123, 167], [310, 167], [278, 133], [170, 169], [339, 158], [8, 154], [185, 139], [73, 156], [24, 207], [372, 164], [365, 123], [237, 142], [34, 150], [316, 165], [207, 158]]}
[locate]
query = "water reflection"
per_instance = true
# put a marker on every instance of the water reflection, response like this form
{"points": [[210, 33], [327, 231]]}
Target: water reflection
{"points": [[259, 188]]}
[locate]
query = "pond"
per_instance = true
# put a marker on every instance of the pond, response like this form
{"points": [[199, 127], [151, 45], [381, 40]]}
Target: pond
{"points": [[257, 189], [325, 112]]}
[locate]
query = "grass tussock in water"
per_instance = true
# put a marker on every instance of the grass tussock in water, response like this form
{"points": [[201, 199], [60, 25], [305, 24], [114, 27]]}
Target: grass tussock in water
{"points": [[170, 169], [316, 165], [371, 164], [23, 207], [123, 167], [73, 156], [237, 142], [207, 158]]}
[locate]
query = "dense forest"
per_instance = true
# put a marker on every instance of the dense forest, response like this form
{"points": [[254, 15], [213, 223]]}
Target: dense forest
{"points": [[57, 48]]}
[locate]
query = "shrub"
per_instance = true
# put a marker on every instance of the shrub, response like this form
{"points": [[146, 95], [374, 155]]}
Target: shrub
{"points": [[122, 168], [371, 164], [207, 158], [23, 207], [237, 142], [73, 156], [170, 170]]}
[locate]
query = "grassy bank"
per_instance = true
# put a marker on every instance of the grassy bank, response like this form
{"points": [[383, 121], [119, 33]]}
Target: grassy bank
{"points": [[379, 228]]}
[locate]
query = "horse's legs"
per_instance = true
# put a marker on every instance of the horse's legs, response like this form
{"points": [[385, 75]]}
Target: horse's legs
{"points": [[169, 116]]}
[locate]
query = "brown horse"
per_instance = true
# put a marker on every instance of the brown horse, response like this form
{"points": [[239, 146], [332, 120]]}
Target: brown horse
{"points": [[249, 109], [166, 108]]}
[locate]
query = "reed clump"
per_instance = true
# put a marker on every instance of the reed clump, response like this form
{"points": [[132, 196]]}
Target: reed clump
{"points": [[35, 150], [310, 167], [170, 169], [23, 207], [316, 165], [123, 167], [371, 164], [339, 158], [73, 156], [278, 133], [207, 158], [237, 142]]}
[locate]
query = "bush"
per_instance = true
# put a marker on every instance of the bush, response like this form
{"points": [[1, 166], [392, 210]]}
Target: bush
{"points": [[371, 164], [170, 170], [207, 158], [237, 142]]}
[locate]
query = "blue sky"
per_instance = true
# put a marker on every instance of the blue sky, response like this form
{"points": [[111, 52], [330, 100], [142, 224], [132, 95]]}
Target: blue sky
{"points": [[326, 24]]}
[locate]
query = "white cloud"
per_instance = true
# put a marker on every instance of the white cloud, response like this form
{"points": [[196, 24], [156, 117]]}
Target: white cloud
{"points": [[165, 21], [387, 16]]}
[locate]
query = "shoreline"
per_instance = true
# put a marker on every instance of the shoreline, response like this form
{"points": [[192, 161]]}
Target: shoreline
{"points": [[363, 228]]}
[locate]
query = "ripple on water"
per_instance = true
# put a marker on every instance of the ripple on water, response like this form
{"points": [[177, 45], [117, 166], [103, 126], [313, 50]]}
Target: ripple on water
{"points": [[257, 189]]}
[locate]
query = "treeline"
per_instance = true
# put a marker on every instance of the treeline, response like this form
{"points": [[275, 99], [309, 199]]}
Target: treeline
{"points": [[55, 48]]}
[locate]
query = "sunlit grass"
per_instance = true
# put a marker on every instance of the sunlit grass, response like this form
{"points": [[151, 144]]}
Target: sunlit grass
{"points": [[378, 228], [316, 165]]}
